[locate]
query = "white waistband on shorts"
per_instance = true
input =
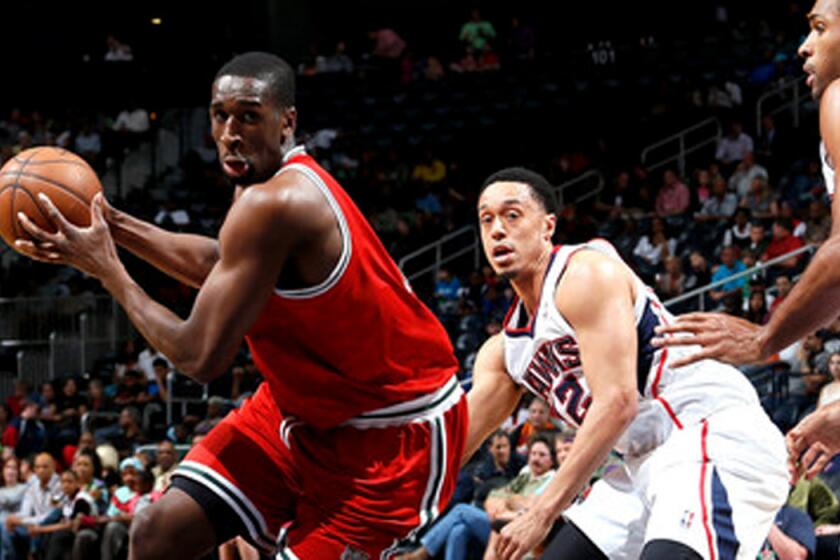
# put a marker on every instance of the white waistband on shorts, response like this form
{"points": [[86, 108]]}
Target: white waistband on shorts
{"points": [[420, 409]]}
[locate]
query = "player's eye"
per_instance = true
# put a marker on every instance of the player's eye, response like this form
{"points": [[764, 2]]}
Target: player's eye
{"points": [[250, 117], [486, 219], [512, 215], [220, 116]]}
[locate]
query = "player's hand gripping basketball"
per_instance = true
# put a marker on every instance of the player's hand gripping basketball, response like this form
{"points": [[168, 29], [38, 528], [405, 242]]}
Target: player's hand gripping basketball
{"points": [[522, 535], [814, 441], [89, 249], [722, 337]]}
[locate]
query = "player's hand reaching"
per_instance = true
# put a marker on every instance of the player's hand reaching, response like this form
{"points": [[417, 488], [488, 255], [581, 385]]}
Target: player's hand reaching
{"points": [[722, 337], [522, 535], [89, 249], [814, 441]]}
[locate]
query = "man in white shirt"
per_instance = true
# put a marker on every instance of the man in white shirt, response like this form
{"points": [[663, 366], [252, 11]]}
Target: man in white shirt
{"points": [[742, 179], [732, 148], [41, 498]]}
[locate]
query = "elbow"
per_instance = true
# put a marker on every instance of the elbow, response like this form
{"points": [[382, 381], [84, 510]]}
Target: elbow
{"points": [[624, 405], [201, 368]]}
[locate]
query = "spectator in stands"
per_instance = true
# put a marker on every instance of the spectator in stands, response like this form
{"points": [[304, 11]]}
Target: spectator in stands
{"points": [[88, 144], [818, 225], [538, 421], [13, 489], [430, 170], [88, 467], [760, 201], [26, 433], [758, 239], [338, 62], [58, 535], [699, 273], [719, 207], [447, 292], [23, 392], [133, 120], [783, 242], [741, 181], [132, 389], [618, 200], [467, 527], [733, 147], [783, 287], [126, 434], [522, 40], [674, 197], [245, 380], [488, 60], [652, 249], [500, 461], [215, 412], [477, 32], [831, 392], [98, 401], [121, 510], [671, 283], [816, 499], [768, 141], [117, 51], [146, 360], [388, 45], [167, 461], [702, 189], [757, 308], [729, 266], [791, 537], [739, 233], [38, 503]]}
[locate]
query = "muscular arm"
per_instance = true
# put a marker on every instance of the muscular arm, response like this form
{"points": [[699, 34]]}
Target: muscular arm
{"points": [[815, 299], [596, 297], [259, 233], [186, 257], [493, 396]]}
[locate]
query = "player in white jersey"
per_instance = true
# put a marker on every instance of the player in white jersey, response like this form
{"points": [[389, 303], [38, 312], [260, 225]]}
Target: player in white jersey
{"points": [[704, 470], [815, 299]]}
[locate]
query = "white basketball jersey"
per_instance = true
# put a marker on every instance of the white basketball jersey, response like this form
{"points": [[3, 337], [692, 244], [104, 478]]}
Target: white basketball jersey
{"points": [[541, 354], [827, 170]]}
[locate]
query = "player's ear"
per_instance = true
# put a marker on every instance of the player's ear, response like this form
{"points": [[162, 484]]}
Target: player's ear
{"points": [[288, 121], [550, 225]]}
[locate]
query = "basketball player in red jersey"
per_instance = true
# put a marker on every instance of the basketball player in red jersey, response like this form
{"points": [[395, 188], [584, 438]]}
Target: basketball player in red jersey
{"points": [[815, 299], [355, 439]]}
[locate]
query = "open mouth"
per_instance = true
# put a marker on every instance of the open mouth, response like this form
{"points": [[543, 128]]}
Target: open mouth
{"points": [[502, 253], [235, 167]]}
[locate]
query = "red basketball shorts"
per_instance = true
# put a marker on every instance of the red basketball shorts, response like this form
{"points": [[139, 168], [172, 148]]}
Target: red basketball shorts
{"points": [[346, 492]]}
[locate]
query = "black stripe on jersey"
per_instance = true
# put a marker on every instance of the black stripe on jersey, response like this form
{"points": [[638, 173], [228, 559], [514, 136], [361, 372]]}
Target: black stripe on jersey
{"points": [[644, 354]]}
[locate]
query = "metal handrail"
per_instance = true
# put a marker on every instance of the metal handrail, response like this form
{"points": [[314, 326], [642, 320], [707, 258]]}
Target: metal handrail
{"points": [[699, 292], [559, 191], [684, 150], [437, 246], [797, 99]]}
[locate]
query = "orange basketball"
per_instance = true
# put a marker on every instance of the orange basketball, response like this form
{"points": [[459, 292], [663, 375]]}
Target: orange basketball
{"points": [[63, 176]]}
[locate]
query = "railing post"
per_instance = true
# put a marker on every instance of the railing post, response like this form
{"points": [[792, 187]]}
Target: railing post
{"points": [[52, 354], [19, 358], [83, 340]]}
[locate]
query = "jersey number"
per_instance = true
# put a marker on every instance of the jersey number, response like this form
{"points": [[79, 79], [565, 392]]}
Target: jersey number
{"points": [[574, 398]]}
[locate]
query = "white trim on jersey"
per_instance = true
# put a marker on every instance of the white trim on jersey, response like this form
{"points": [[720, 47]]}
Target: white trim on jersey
{"points": [[423, 409], [429, 505], [233, 497], [347, 249], [296, 151]]}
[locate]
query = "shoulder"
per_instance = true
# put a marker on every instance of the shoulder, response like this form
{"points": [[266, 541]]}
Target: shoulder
{"points": [[590, 268], [288, 206]]}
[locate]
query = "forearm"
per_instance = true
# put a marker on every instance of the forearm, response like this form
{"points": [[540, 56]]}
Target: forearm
{"points": [[159, 326], [595, 438], [813, 302], [187, 258], [785, 547]]}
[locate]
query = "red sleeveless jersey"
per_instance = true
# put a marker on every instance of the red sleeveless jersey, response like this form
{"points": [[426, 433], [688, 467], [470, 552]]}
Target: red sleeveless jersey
{"points": [[359, 341]]}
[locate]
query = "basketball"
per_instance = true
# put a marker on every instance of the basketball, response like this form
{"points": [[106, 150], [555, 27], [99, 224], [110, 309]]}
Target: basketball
{"points": [[61, 175]]}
